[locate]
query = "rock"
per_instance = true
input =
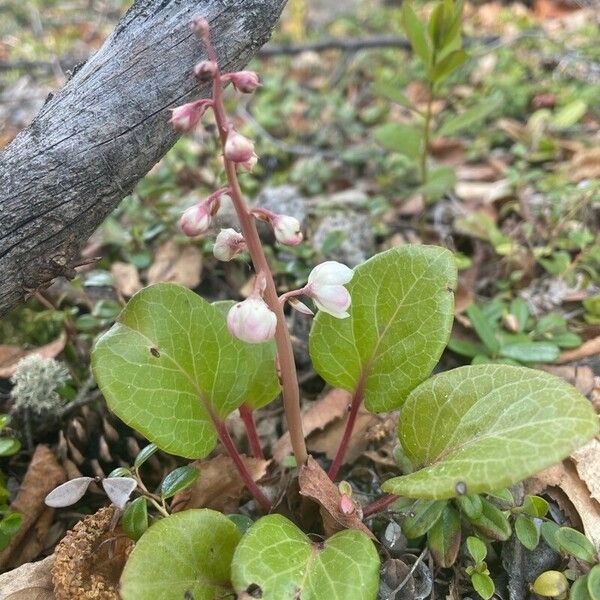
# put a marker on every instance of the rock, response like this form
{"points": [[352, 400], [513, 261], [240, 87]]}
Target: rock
{"points": [[284, 200]]}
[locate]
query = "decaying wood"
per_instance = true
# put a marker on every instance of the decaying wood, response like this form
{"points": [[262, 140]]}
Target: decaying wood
{"points": [[105, 130]]}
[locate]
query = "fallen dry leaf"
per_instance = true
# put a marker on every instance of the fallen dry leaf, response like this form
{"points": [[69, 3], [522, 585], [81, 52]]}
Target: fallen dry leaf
{"points": [[585, 165], [581, 377], [176, 264], [11, 355], [316, 485], [43, 475], [587, 464], [589, 348], [219, 486], [334, 405], [31, 581], [126, 278]]}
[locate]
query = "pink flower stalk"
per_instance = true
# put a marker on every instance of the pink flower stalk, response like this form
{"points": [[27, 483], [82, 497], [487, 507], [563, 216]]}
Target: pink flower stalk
{"points": [[243, 81], [206, 70], [252, 320], [326, 288], [187, 116], [228, 244], [240, 149]]}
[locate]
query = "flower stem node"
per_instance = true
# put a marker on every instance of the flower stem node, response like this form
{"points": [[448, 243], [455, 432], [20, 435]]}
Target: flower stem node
{"points": [[252, 320], [239, 149], [326, 288], [243, 81], [187, 116], [228, 244], [206, 70]]}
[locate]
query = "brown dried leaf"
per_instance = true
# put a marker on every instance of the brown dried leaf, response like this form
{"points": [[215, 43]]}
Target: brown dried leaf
{"points": [[585, 165], [11, 355], [126, 278], [219, 486], [587, 349], [316, 485], [587, 464], [43, 475], [31, 581], [176, 264], [334, 405]]}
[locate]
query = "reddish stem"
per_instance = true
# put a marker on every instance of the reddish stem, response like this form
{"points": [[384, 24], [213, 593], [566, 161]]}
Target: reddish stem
{"points": [[287, 365], [247, 415], [379, 505], [338, 461], [239, 464]]}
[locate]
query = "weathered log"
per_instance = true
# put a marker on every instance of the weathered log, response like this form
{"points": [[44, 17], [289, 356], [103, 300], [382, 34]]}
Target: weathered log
{"points": [[106, 128]]}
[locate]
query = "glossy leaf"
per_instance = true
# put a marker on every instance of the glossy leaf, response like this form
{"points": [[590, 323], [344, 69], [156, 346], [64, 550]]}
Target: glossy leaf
{"points": [[145, 453], [186, 554], [135, 519], [178, 480], [478, 428], [526, 532], [168, 362], [536, 506], [279, 562], [576, 544], [9, 446], [399, 324], [443, 539]]}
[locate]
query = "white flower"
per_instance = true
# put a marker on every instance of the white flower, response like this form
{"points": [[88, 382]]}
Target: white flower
{"points": [[228, 243], [252, 321], [286, 230], [239, 148], [196, 220], [326, 288]]}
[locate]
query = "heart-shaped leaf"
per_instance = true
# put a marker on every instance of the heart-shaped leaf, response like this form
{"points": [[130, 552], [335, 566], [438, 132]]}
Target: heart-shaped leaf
{"points": [[185, 555], [278, 561], [399, 324], [478, 428], [169, 362]]}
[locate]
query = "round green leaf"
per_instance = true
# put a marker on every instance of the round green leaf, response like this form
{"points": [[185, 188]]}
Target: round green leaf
{"points": [[399, 323], [278, 561], [593, 582], [178, 480], [483, 585], [135, 518], [526, 532], [579, 589], [477, 549], [576, 544], [478, 428], [187, 553], [168, 362]]}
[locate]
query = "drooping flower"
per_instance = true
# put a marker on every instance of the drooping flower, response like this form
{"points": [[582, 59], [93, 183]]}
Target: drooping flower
{"points": [[196, 220], [286, 230], [187, 116], [227, 244], [243, 81], [326, 288], [252, 320], [205, 70], [240, 149], [200, 25]]}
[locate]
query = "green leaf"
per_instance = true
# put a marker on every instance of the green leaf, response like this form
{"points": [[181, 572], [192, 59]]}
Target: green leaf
{"points": [[422, 517], [530, 352], [443, 539], [449, 64], [593, 582], [178, 480], [548, 531], [470, 117], [520, 310], [579, 589], [417, 34], [400, 321], [9, 446], [168, 362], [135, 518], [477, 549], [567, 339], [483, 585], [569, 115], [145, 453], [465, 348], [492, 522], [536, 506], [478, 428], [401, 138], [439, 182], [278, 561], [526, 532], [484, 327], [576, 544], [392, 92], [186, 554], [471, 506]]}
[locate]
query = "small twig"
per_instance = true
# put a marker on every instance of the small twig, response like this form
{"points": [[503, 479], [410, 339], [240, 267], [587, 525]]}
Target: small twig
{"points": [[379, 505], [82, 398]]}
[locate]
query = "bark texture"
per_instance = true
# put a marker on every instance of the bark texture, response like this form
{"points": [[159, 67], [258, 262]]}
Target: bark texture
{"points": [[106, 128]]}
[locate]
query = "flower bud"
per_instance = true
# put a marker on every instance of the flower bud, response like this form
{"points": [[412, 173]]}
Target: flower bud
{"points": [[228, 243], [286, 230], [252, 321], [243, 81], [239, 149], [326, 288], [196, 219], [200, 25], [205, 70], [187, 116]]}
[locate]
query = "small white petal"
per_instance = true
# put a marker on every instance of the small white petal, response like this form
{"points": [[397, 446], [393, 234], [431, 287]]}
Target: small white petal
{"points": [[330, 273], [333, 299], [118, 489], [300, 306], [252, 321], [68, 493]]}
